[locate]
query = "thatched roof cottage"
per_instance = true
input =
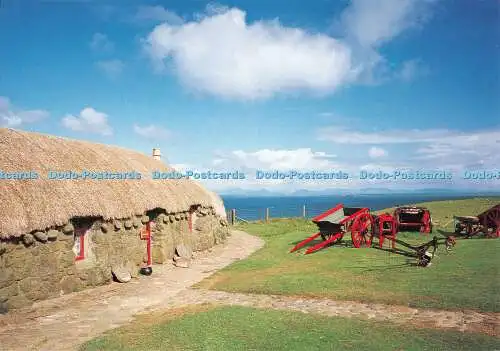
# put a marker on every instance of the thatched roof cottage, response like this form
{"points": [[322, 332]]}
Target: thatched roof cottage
{"points": [[62, 235]]}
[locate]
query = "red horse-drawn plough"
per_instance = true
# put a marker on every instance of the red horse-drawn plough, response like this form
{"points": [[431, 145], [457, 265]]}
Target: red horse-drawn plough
{"points": [[364, 226]]}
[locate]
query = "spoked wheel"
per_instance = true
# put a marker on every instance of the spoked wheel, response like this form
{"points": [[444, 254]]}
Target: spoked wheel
{"points": [[362, 231]]}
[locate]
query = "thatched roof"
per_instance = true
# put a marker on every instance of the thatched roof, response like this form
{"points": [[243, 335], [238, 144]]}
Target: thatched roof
{"points": [[27, 205]]}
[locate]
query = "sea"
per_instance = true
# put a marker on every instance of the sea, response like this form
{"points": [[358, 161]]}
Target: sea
{"points": [[254, 208]]}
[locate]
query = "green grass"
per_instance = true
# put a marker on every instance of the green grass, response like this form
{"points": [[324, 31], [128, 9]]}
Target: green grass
{"points": [[242, 328], [467, 277]]}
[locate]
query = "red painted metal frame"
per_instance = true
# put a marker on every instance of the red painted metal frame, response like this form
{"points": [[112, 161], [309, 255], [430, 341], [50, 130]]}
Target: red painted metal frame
{"points": [[148, 243], [386, 233], [304, 242], [190, 222], [80, 233], [147, 237], [425, 225], [426, 221], [324, 243], [355, 214], [335, 236]]}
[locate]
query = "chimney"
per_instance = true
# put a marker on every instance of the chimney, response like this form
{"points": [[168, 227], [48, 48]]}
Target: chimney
{"points": [[156, 154]]}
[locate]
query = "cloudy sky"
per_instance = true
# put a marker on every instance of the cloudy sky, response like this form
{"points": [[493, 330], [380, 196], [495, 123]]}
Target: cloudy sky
{"points": [[245, 85]]}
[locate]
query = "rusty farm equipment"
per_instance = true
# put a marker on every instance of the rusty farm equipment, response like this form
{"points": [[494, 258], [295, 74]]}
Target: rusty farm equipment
{"points": [[336, 222], [487, 223], [424, 253], [413, 217], [364, 226]]}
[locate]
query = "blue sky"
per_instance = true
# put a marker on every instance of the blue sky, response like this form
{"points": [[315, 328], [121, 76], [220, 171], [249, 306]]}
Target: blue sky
{"points": [[316, 85]]}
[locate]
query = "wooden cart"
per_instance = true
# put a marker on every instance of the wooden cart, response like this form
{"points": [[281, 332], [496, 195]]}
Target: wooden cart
{"points": [[487, 223]]}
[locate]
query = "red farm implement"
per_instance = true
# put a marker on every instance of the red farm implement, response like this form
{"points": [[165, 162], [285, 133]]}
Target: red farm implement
{"points": [[412, 217], [487, 223], [336, 222], [385, 227]]}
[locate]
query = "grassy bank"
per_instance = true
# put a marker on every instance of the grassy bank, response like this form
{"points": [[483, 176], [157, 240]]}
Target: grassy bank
{"points": [[240, 328], [467, 277]]}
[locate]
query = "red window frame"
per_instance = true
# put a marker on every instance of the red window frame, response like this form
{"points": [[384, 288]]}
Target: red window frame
{"points": [[81, 232], [190, 221]]}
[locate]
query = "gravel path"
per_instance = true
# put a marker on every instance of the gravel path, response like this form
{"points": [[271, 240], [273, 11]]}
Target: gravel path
{"points": [[66, 322], [466, 321]]}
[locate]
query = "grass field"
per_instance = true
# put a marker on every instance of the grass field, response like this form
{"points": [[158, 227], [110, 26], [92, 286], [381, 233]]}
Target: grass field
{"points": [[467, 277], [241, 328]]}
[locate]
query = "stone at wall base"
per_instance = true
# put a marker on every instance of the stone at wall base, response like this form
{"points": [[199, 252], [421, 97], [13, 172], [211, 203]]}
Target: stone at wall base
{"points": [[184, 251], [121, 274], [3, 308]]}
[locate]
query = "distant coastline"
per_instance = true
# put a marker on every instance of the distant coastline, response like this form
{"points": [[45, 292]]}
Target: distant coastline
{"points": [[250, 207]]}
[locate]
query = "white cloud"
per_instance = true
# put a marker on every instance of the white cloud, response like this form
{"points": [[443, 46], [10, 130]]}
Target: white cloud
{"points": [[152, 132], [342, 135], [89, 120], [12, 117], [429, 148], [367, 25], [281, 159], [372, 23], [410, 70], [224, 55], [409, 159], [376, 152], [157, 14], [112, 68], [101, 43]]}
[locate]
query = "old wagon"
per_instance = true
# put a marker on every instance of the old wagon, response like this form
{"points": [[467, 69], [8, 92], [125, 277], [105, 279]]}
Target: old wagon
{"points": [[363, 226], [413, 218], [487, 222], [336, 222]]}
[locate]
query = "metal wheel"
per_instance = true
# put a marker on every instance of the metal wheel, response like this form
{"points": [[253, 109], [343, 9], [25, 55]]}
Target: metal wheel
{"points": [[362, 231]]}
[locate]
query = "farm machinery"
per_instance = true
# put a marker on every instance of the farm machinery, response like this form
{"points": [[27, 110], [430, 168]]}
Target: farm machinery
{"points": [[335, 223], [487, 223], [413, 217]]}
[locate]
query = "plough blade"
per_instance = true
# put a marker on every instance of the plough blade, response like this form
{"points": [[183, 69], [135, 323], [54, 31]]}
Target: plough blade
{"points": [[304, 242], [321, 245]]}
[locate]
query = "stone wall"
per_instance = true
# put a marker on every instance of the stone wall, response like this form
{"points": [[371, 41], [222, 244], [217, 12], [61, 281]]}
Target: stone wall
{"points": [[42, 264], [171, 230]]}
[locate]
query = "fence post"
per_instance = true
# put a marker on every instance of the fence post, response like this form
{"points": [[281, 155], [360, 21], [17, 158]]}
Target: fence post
{"points": [[267, 214], [304, 211], [233, 216]]}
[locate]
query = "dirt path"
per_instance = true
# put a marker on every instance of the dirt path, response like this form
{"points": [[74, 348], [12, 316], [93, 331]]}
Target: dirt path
{"points": [[470, 321], [66, 322]]}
